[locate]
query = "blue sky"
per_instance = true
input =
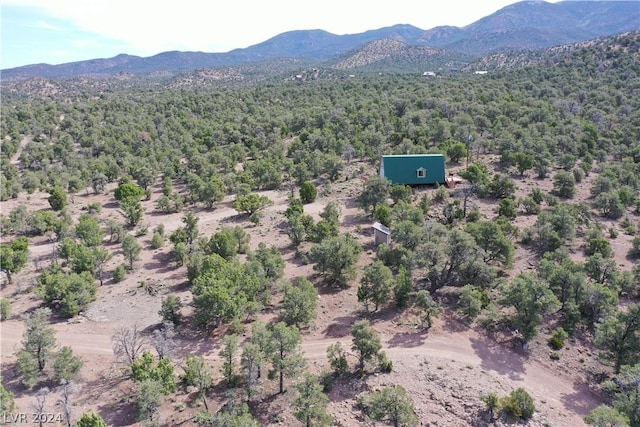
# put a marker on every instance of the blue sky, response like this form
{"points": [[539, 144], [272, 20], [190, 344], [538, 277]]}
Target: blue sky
{"points": [[60, 31], [29, 35]]}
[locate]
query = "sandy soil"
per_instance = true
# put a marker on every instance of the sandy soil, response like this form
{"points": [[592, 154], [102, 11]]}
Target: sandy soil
{"points": [[445, 369]]}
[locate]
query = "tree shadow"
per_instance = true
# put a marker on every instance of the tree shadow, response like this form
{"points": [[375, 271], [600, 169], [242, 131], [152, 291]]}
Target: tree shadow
{"points": [[498, 358], [11, 379], [179, 285], [354, 219], [111, 205], [384, 314], [121, 412], [262, 409], [283, 225], [150, 330], [178, 277], [583, 400], [156, 213], [293, 256], [199, 343], [351, 203], [37, 242], [326, 286], [408, 339], [236, 219], [161, 263], [348, 387], [340, 327], [118, 414], [370, 246], [452, 324]]}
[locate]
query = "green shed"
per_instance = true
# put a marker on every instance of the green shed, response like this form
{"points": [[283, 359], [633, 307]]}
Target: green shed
{"points": [[413, 168]]}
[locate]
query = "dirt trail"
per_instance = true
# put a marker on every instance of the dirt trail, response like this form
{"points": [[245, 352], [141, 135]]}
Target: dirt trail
{"points": [[15, 159], [556, 391], [463, 347]]}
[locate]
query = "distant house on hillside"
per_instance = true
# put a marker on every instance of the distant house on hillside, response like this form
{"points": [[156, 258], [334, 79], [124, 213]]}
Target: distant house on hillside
{"points": [[429, 73], [413, 169]]}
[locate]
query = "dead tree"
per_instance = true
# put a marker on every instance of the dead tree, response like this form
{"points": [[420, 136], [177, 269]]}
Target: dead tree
{"points": [[127, 344]]}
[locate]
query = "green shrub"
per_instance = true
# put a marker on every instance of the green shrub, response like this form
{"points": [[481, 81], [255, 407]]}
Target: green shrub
{"points": [[308, 192], [91, 420], [557, 340], [157, 241], [170, 309], [518, 404], [474, 215], [634, 251], [58, 199], [441, 194], [578, 175], [295, 208], [382, 214], [95, 207], [556, 343], [5, 309], [255, 218], [386, 364], [628, 226], [537, 195], [142, 230], [236, 326], [337, 359], [507, 208], [120, 273], [159, 229], [327, 379]]}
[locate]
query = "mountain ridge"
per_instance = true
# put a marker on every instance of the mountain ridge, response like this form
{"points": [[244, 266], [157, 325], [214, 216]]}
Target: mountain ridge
{"points": [[528, 24]]}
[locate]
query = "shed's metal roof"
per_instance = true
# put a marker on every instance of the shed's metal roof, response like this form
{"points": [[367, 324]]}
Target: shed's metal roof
{"points": [[381, 228]]}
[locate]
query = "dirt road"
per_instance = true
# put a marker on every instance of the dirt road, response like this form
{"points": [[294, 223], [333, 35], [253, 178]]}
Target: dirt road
{"points": [[557, 393]]}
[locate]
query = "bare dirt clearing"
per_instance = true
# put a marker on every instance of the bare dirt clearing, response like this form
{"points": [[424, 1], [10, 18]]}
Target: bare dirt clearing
{"points": [[445, 369]]}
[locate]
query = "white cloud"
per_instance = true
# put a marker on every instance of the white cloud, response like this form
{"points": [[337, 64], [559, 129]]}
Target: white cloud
{"points": [[47, 26]]}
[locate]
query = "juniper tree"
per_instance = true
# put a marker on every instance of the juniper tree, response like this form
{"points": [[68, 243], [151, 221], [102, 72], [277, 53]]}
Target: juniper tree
{"points": [[197, 374], [376, 285], [619, 336], [250, 361], [286, 353], [310, 406], [365, 342], [38, 346], [228, 354], [300, 298], [392, 403]]}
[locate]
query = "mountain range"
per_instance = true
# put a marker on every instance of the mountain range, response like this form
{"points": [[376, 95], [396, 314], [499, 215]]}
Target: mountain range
{"points": [[520, 26]]}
